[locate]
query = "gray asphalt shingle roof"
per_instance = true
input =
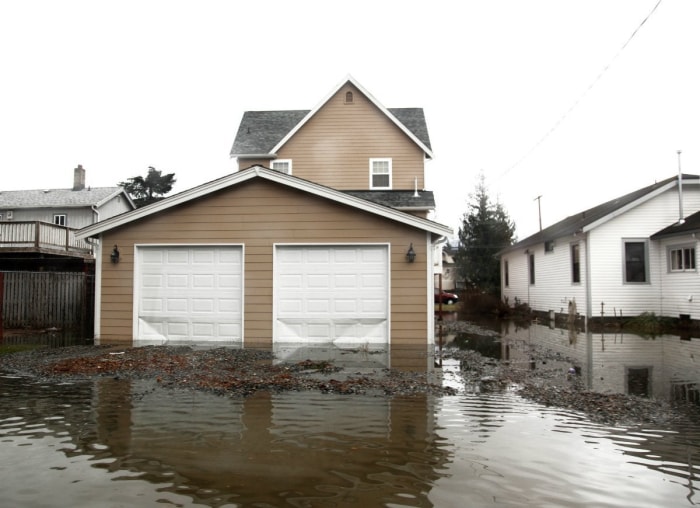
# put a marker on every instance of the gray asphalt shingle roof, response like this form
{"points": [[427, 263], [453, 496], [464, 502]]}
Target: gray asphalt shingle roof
{"points": [[260, 131], [577, 222], [398, 199], [66, 198]]}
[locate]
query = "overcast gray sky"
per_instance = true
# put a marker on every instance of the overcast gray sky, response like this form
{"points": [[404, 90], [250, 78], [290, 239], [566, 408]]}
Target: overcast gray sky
{"points": [[120, 86]]}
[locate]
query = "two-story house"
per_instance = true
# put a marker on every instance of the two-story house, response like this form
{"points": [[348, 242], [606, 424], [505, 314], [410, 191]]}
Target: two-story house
{"points": [[37, 227], [321, 237]]}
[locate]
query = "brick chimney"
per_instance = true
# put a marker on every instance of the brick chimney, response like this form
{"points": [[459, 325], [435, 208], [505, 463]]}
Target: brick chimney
{"points": [[79, 178]]}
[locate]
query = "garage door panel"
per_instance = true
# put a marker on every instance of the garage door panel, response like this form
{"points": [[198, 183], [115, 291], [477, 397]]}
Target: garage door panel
{"points": [[190, 295], [330, 293]]}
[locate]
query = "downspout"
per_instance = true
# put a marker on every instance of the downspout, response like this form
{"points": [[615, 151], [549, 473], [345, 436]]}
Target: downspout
{"points": [[681, 217], [589, 304]]}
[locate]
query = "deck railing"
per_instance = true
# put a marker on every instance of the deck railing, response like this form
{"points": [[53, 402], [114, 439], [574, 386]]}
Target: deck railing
{"points": [[40, 237]]}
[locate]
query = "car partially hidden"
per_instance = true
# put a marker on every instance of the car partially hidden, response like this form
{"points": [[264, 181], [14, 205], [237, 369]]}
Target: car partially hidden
{"points": [[446, 297]]}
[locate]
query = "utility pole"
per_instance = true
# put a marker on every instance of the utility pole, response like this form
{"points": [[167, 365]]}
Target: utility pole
{"points": [[539, 209]]}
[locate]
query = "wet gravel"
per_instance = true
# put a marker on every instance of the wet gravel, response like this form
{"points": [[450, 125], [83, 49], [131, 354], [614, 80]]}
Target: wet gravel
{"points": [[241, 372], [224, 371]]}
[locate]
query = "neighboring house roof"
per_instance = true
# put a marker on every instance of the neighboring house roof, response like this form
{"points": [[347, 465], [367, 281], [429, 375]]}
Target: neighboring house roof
{"points": [[60, 198], [270, 175], [690, 224], [263, 133], [593, 217], [403, 200]]}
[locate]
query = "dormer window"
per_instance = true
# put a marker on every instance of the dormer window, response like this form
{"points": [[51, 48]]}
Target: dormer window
{"points": [[283, 166], [380, 173], [348, 98]]}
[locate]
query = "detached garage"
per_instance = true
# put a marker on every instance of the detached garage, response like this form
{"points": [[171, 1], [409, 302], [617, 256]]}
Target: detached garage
{"points": [[261, 257]]}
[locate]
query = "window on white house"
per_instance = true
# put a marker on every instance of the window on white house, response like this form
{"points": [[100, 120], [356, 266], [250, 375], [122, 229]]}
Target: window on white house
{"points": [[506, 275], [380, 173], [59, 219], [532, 268], [575, 263], [681, 259], [635, 261], [283, 166]]}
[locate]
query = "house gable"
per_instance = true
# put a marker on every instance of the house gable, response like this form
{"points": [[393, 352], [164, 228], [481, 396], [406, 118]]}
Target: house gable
{"points": [[334, 143], [274, 176]]}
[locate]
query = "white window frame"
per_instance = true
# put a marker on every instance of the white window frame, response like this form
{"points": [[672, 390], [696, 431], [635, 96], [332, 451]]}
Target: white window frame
{"points": [[60, 219], [644, 241], [372, 172], [288, 162], [575, 263], [687, 257]]}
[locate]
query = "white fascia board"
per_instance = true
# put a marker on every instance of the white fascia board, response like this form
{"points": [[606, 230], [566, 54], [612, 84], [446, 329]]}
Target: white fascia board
{"points": [[350, 79], [271, 175]]}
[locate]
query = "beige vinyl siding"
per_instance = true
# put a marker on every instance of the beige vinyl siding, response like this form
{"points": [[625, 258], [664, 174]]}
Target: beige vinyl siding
{"points": [[334, 147], [258, 214]]}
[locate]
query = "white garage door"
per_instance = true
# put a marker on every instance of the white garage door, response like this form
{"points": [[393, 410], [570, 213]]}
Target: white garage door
{"points": [[190, 294], [331, 294]]}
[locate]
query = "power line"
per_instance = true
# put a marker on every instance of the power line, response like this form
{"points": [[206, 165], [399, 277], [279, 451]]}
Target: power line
{"points": [[580, 98]]}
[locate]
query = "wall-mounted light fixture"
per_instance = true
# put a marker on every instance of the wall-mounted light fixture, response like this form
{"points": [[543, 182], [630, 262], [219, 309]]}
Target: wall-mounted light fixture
{"points": [[114, 256], [411, 254]]}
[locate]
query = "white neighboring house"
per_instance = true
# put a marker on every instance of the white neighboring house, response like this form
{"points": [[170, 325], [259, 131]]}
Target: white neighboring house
{"points": [[680, 282], [623, 257]]}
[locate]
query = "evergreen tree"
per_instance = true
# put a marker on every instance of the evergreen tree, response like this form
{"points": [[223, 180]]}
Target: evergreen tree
{"points": [[150, 189], [486, 229]]}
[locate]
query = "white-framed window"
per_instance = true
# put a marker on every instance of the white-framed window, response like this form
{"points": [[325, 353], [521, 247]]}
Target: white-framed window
{"points": [[531, 267], [635, 261], [575, 263], [283, 166], [506, 273], [59, 219], [681, 258], [380, 173]]}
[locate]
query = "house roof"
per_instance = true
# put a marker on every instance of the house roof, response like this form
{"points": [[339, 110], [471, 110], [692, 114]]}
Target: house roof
{"points": [[269, 175], [691, 224], [59, 198], [402, 200], [263, 133], [594, 217]]}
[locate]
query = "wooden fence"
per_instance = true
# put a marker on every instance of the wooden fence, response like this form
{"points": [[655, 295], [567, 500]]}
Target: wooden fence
{"points": [[40, 300]]}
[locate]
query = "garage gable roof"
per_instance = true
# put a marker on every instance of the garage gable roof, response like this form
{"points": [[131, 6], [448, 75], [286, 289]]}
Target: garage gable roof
{"points": [[273, 176]]}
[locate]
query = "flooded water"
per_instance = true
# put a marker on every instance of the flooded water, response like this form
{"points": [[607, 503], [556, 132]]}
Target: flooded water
{"points": [[119, 443]]}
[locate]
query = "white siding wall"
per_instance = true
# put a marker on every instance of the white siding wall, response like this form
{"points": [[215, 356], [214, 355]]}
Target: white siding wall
{"points": [[607, 281], [553, 288], [680, 291]]}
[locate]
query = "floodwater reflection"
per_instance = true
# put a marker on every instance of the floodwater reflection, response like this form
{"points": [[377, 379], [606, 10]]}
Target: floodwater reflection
{"points": [[664, 367]]}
